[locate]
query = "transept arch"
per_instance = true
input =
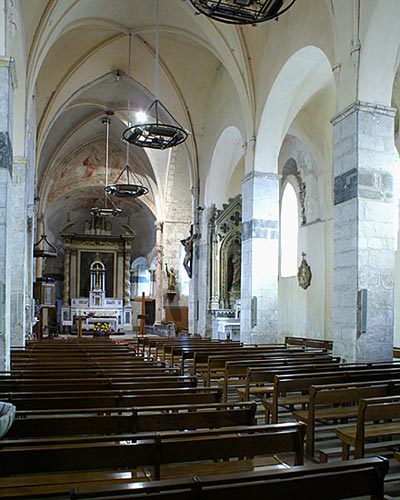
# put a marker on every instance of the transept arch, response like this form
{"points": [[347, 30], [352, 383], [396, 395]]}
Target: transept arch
{"points": [[226, 158], [304, 74]]}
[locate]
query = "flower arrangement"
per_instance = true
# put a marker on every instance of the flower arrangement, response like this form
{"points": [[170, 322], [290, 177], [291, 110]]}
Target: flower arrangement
{"points": [[101, 329]]}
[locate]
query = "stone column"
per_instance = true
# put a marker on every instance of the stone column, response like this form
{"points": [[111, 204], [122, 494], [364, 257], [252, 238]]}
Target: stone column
{"points": [[364, 232], [259, 266], [159, 271], [120, 274], [127, 274], [39, 260], [73, 280], [18, 253], [67, 259], [6, 103]]}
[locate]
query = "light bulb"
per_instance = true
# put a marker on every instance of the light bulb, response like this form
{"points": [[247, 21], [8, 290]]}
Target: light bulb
{"points": [[141, 117]]}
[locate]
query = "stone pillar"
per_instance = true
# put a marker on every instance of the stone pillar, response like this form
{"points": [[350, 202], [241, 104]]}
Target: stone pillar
{"points": [[67, 259], [39, 260], [18, 253], [159, 271], [364, 232], [73, 280], [259, 266], [127, 274], [120, 274], [6, 99]]}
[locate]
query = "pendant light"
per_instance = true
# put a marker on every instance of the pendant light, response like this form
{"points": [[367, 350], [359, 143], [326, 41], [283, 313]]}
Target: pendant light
{"points": [[106, 211], [242, 11], [163, 131], [132, 188]]}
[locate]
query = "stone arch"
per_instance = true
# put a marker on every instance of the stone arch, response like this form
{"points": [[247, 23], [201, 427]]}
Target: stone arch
{"points": [[227, 154], [303, 75], [380, 53]]}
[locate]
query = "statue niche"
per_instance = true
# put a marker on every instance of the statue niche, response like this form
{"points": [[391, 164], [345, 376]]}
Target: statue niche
{"points": [[233, 271]]}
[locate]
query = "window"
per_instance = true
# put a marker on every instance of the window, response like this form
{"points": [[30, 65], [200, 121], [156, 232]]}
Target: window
{"points": [[289, 231], [140, 278]]}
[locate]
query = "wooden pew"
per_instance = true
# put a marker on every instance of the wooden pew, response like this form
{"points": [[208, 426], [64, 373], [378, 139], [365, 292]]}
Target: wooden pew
{"points": [[201, 356], [235, 372], [292, 389], [107, 399], [307, 342], [170, 454], [339, 402], [170, 448], [216, 365], [335, 481], [260, 379], [100, 421], [376, 418]]}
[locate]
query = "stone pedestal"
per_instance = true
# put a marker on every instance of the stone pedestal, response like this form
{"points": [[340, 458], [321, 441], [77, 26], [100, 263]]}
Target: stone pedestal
{"points": [[259, 277], [364, 232]]}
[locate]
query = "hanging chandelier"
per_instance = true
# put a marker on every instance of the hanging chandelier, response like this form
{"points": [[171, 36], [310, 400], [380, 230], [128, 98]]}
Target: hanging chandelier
{"points": [[242, 11], [162, 130], [106, 210], [132, 188]]}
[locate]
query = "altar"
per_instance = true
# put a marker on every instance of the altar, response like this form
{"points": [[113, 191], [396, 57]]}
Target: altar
{"points": [[97, 277]]}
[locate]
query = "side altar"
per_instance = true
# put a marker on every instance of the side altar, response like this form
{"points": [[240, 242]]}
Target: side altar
{"points": [[97, 276], [225, 248]]}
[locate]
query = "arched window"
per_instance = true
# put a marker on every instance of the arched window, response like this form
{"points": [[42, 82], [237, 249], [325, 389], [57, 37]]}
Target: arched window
{"points": [[289, 231], [140, 277]]}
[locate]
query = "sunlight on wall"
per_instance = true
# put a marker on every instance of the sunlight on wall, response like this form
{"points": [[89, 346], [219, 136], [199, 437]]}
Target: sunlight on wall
{"points": [[289, 232], [140, 278]]}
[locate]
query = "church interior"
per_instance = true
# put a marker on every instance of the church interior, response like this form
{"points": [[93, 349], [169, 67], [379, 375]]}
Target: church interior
{"points": [[189, 189]]}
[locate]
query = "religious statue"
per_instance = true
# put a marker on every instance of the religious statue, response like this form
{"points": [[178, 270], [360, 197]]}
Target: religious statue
{"points": [[188, 245], [171, 279], [236, 269]]}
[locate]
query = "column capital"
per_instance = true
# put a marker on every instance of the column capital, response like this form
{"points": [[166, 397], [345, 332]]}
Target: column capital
{"points": [[261, 175], [9, 62], [366, 107], [20, 160], [159, 225]]}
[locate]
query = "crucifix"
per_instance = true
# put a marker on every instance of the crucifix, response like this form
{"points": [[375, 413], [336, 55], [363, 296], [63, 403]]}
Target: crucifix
{"points": [[143, 316]]}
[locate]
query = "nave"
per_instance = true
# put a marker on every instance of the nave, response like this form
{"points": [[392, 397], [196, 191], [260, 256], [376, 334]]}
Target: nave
{"points": [[149, 418]]}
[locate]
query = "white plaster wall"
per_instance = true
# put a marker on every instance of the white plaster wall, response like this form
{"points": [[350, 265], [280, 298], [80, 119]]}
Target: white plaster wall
{"points": [[303, 313]]}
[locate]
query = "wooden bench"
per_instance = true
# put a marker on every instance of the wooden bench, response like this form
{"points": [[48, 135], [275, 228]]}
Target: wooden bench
{"points": [[100, 421], [235, 372], [216, 365], [339, 402], [259, 379], [42, 466], [307, 342], [200, 364], [293, 389], [335, 481], [376, 418], [111, 399]]}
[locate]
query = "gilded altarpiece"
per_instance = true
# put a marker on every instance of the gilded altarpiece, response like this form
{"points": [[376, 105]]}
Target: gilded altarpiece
{"points": [[114, 252], [225, 259]]}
